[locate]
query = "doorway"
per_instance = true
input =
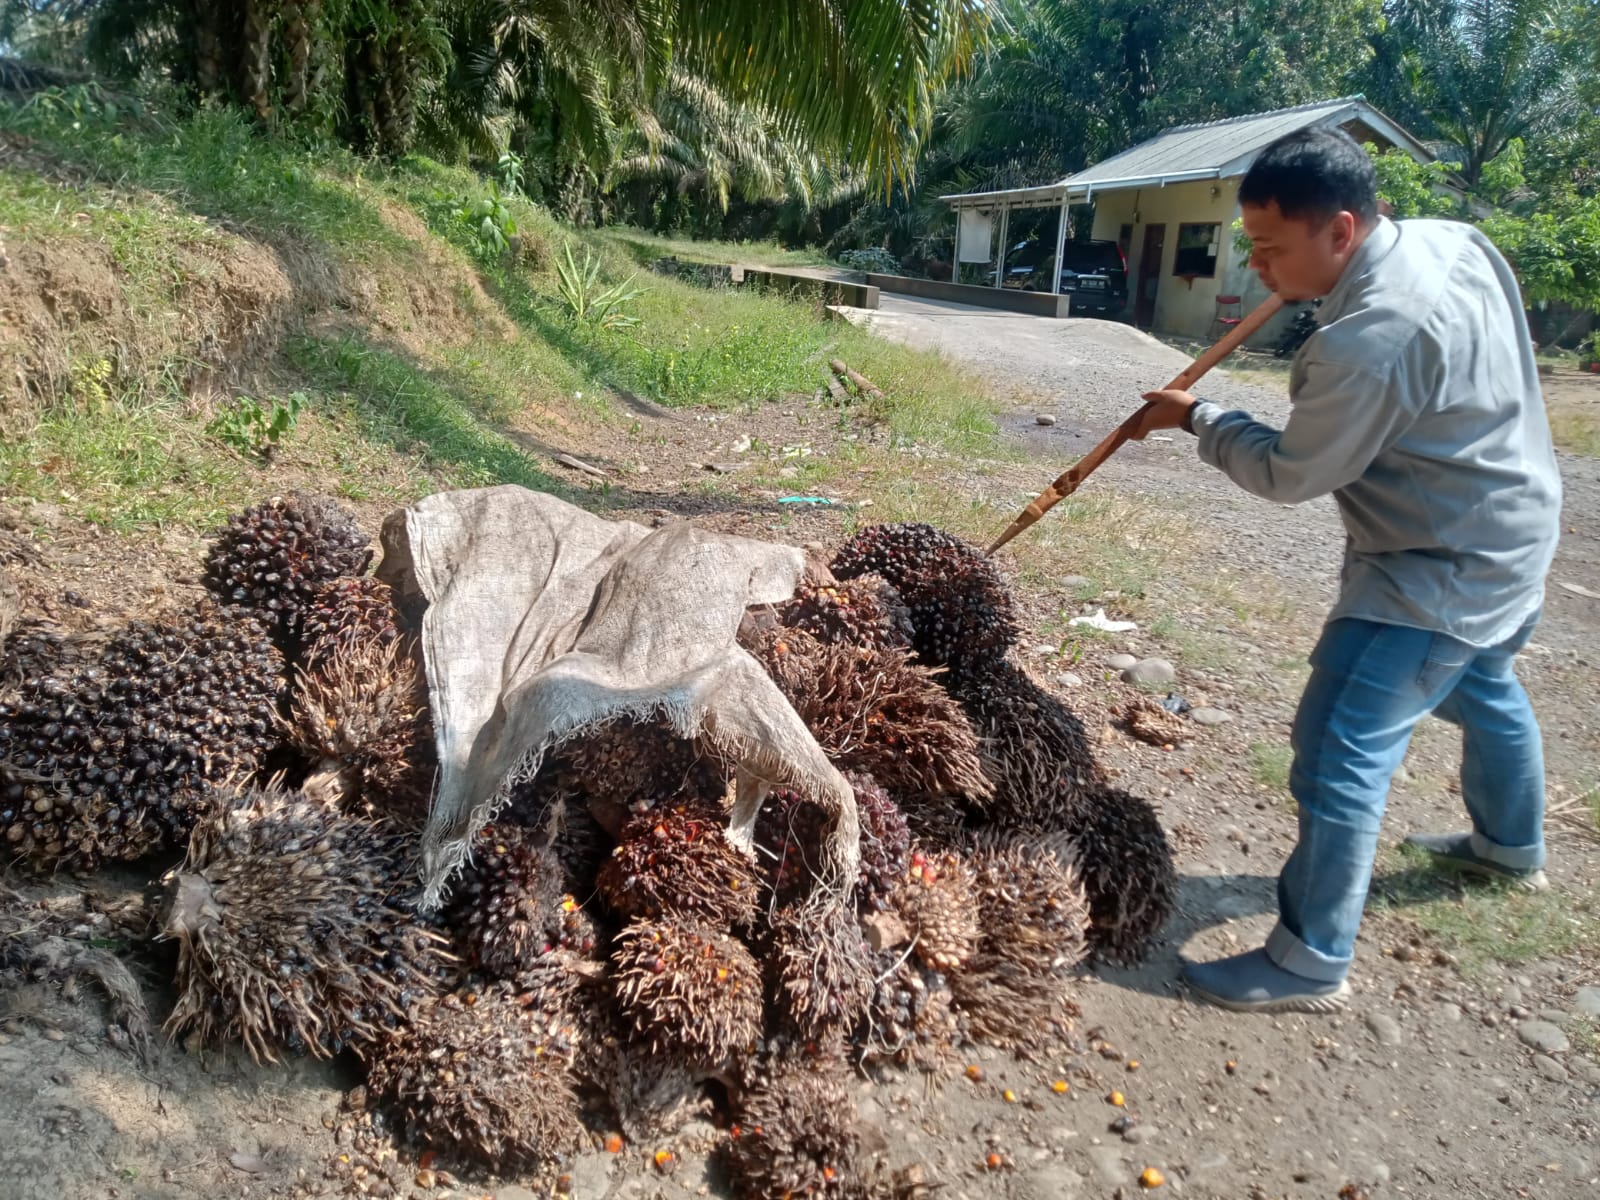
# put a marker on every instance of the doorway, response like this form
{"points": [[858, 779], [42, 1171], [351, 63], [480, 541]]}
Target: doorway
{"points": [[1144, 305]]}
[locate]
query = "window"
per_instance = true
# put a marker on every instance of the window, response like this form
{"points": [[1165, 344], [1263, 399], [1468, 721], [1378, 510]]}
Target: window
{"points": [[1197, 250]]}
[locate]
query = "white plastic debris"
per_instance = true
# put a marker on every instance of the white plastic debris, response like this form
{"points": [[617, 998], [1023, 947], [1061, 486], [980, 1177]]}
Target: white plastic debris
{"points": [[1099, 620]]}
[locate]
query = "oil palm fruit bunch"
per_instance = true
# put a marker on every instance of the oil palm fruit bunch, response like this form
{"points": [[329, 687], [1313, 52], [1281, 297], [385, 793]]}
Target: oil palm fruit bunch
{"points": [[627, 765], [677, 862], [275, 557], [911, 1017], [1034, 916], [1152, 724], [866, 611], [1126, 865], [344, 614], [795, 1129], [290, 929], [110, 761], [822, 967], [936, 900], [361, 718], [876, 712], [650, 1096], [1032, 746], [961, 612], [792, 830], [685, 988], [510, 908], [485, 1073]]}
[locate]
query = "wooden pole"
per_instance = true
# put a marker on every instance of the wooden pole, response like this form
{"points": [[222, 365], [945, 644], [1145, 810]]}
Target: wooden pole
{"points": [[1068, 483], [863, 385]]}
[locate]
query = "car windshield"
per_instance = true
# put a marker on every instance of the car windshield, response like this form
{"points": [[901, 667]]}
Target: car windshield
{"points": [[1091, 257]]}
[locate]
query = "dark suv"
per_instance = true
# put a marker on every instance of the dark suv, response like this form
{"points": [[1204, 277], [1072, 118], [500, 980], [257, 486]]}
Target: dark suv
{"points": [[1093, 273], [1096, 276]]}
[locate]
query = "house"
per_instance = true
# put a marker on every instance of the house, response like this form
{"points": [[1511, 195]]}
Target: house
{"points": [[1170, 204]]}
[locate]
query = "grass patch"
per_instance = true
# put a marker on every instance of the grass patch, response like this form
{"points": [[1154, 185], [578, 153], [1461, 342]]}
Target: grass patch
{"points": [[1576, 431], [124, 463], [693, 346], [416, 411], [1585, 1034], [214, 163], [1270, 763], [1196, 647], [1483, 922], [644, 248]]}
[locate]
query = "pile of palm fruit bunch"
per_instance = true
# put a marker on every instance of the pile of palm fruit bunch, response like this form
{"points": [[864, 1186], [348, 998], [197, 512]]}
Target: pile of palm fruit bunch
{"points": [[609, 959]]}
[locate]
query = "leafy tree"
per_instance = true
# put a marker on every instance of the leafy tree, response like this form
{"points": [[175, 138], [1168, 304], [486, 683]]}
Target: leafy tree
{"points": [[1477, 74], [858, 79]]}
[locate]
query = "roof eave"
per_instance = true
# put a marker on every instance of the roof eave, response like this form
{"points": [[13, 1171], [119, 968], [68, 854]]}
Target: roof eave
{"points": [[1089, 187], [1049, 193]]}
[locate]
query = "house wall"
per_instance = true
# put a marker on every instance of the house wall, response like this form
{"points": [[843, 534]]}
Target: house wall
{"points": [[1182, 306], [1183, 309]]}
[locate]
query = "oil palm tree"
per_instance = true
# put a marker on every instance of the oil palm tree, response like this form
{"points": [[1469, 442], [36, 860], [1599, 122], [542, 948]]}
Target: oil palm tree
{"points": [[1476, 74]]}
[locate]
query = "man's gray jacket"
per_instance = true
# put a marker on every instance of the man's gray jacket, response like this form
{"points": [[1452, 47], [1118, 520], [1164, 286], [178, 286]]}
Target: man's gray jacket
{"points": [[1417, 404]]}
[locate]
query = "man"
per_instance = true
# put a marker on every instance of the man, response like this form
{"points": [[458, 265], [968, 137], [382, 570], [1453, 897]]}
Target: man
{"points": [[1417, 405]]}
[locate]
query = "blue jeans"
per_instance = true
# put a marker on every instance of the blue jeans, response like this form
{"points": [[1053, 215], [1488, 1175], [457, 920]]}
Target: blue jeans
{"points": [[1370, 685]]}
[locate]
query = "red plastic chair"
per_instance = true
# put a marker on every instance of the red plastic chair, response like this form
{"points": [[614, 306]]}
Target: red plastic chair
{"points": [[1230, 311]]}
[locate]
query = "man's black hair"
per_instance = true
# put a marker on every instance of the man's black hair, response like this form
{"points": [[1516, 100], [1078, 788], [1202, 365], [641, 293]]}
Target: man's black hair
{"points": [[1313, 174]]}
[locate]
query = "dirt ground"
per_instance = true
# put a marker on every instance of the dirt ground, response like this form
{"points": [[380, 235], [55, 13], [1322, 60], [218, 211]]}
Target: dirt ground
{"points": [[1423, 1088]]}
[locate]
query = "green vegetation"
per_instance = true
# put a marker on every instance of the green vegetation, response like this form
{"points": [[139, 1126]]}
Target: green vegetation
{"points": [[175, 207], [1270, 763], [1483, 921]]}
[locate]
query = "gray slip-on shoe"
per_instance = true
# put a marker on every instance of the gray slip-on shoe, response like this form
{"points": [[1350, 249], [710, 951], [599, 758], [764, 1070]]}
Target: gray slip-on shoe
{"points": [[1454, 851], [1252, 982]]}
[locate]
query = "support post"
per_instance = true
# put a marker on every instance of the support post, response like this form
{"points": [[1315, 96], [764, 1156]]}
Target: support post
{"points": [[1061, 245], [1005, 234]]}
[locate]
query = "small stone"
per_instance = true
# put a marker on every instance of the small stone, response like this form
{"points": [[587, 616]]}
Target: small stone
{"points": [[1554, 1015], [1402, 775], [1448, 1011], [1121, 662], [1587, 1071], [741, 444], [1045, 419], [1210, 716], [1384, 1028], [788, 472], [1150, 671], [723, 468], [1075, 583], [884, 931], [1550, 1068], [1138, 1135], [1518, 1013], [1543, 1037], [1587, 1001], [1068, 680], [1512, 996]]}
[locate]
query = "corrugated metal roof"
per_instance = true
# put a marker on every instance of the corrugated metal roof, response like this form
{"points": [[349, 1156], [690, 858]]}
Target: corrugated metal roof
{"points": [[1210, 147], [1208, 150]]}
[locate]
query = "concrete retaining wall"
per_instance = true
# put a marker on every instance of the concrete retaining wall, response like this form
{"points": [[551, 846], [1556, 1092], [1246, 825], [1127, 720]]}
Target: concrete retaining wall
{"points": [[809, 287], [1038, 304]]}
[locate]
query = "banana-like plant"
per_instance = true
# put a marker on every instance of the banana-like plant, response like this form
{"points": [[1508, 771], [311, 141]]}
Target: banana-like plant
{"points": [[588, 301]]}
